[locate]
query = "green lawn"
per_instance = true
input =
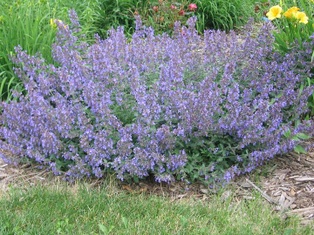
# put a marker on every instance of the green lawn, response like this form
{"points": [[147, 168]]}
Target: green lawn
{"points": [[60, 209]]}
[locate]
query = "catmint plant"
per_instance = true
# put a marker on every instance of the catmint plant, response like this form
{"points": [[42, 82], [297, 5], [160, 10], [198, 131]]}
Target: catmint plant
{"points": [[172, 107]]}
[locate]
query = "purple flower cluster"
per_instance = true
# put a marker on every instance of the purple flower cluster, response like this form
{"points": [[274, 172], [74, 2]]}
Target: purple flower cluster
{"points": [[121, 105]]}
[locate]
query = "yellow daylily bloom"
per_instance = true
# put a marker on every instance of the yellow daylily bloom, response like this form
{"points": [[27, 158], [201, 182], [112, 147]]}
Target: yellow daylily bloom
{"points": [[54, 24], [302, 17], [291, 12], [274, 12]]}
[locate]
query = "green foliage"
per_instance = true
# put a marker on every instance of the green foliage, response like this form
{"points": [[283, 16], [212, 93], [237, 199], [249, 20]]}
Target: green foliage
{"points": [[299, 137], [116, 13], [289, 28], [211, 155], [292, 34], [7, 83], [27, 23], [223, 15]]}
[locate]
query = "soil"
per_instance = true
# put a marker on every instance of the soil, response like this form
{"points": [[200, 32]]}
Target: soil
{"points": [[286, 182]]}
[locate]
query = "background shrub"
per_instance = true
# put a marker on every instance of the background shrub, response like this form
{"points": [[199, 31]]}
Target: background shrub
{"points": [[185, 107], [223, 15], [162, 15], [117, 13]]}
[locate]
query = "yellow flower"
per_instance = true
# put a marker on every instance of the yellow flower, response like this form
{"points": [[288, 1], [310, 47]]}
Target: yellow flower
{"points": [[274, 12], [54, 24], [291, 12], [302, 17]]}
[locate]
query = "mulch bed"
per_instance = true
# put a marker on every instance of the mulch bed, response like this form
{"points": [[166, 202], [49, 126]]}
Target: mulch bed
{"points": [[291, 185]]}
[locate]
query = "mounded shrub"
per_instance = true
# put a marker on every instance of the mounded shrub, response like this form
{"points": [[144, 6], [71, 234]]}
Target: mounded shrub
{"points": [[182, 107]]}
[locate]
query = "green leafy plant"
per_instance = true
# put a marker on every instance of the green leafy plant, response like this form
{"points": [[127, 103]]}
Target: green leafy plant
{"points": [[223, 15], [5, 84], [293, 26], [28, 24], [117, 13], [162, 14], [299, 137], [212, 155]]}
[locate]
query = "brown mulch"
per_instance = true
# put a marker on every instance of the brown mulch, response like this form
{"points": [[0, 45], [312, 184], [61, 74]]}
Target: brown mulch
{"points": [[287, 184], [291, 185]]}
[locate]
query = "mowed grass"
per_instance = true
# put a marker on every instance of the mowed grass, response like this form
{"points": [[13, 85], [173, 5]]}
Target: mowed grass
{"points": [[78, 210]]}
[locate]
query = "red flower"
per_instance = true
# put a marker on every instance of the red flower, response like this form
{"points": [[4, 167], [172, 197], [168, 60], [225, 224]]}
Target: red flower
{"points": [[192, 7], [173, 7], [181, 12]]}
